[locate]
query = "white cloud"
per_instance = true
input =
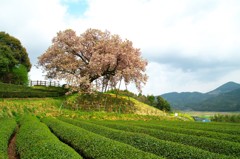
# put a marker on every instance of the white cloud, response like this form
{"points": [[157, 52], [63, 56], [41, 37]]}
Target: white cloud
{"points": [[192, 28], [34, 23]]}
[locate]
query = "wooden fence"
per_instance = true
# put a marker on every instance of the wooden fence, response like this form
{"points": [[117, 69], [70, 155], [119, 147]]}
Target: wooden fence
{"points": [[45, 83]]}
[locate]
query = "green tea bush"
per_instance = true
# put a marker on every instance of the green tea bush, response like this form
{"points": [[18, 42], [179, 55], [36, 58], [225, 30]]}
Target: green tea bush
{"points": [[209, 144], [30, 94], [20, 91], [91, 145], [7, 128], [228, 129], [147, 143], [35, 140], [176, 129]]}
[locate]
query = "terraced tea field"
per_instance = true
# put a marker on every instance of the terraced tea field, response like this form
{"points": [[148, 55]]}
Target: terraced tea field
{"points": [[74, 138]]}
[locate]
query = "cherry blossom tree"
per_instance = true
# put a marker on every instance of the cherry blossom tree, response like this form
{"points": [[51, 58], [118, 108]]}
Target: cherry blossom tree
{"points": [[93, 57]]}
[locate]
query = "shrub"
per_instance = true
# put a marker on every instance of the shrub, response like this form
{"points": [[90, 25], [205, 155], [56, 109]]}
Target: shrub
{"points": [[91, 145], [19, 91], [35, 140], [235, 118], [195, 132], [228, 129], [7, 128], [147, 143], [209, 144]]}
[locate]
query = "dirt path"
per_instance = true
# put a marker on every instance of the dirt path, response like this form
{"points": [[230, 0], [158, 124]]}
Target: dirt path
{"points": [[12, 153]]}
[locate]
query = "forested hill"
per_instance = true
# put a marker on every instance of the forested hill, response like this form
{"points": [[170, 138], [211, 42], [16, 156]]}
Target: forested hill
{"points": [[225, 88], [229, 101], [223, 98]]}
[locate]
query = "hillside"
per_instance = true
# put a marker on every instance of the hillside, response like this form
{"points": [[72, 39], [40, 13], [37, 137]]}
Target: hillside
{"points": [[229, 101], [110, 103], [184, 100], [225, 88], [144, 109], [223, 98], [16, 100]]}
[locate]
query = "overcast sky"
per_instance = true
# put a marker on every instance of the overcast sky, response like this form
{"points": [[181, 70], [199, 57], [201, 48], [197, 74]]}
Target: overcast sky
{"points": [[191, 45]]}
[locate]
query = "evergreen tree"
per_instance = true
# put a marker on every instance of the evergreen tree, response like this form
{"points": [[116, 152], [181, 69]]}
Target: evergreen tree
{"points": [[162, 104], [13, 56], [20, 75]]}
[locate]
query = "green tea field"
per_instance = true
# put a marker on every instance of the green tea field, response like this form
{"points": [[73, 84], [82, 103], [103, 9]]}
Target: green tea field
{"points": [[65, 137]]}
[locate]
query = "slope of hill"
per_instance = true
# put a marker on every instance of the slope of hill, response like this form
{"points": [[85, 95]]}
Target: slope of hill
{"points": [[227, 87], [184, 100], [229, 101], [144, 109], [110, 103], [223, 98]]}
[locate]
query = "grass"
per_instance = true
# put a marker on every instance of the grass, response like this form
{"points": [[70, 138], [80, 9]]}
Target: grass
{"points": [[44, 107], [85, 106], [37, 106], [99, 102], [144, 109], [109, 103]]}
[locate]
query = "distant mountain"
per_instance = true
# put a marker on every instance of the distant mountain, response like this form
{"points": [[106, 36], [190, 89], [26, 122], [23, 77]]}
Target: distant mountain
{"points": [[229, 101], [184, 100], [227, 87], [223, 98]]}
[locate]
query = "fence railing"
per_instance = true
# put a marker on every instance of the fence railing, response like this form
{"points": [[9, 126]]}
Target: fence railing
{"points": [[45, 83]]}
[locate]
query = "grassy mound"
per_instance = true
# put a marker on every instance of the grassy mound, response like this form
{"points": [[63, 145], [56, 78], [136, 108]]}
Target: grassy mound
{"points": [[16, 100], [99, 102], [43, 107], [144, 109], [110, 103]]}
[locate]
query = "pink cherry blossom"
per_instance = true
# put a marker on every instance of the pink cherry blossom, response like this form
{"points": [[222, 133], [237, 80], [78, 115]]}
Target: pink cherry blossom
{"points": [[94, 59]]}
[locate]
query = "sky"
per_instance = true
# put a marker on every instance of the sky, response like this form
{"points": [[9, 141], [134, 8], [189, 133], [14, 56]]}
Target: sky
{"points": [[190, 45]]}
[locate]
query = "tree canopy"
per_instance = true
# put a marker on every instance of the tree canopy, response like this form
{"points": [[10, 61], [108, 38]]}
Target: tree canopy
{"points": [[93, 57], [162, 104], [12, 55]]}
